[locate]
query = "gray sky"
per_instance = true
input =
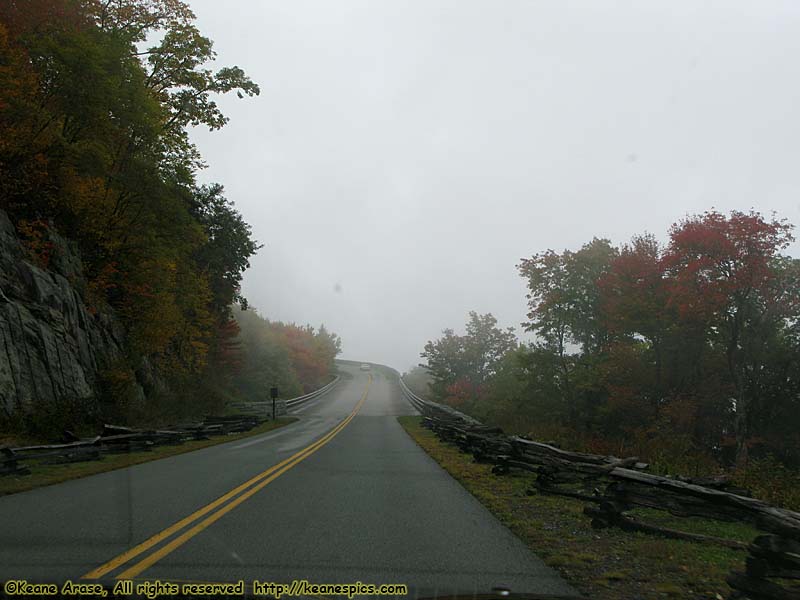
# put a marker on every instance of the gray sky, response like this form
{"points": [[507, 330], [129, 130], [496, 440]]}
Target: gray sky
{"points": [[403, 156]]}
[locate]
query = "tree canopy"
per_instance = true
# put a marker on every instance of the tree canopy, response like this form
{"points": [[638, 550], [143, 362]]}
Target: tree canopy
{"points": [[461, 365], [96, 101], [685, 353]]}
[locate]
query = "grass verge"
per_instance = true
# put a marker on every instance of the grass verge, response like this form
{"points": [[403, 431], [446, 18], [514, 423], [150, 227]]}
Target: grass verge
{"points": [[44, 474], [607, 564]]}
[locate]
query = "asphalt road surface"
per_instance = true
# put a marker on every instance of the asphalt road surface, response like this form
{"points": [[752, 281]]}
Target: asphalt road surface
{"points": [[342, 495]]}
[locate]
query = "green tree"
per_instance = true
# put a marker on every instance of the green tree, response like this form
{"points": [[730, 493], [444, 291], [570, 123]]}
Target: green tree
{"points": [[461, 365], [229, 244], [565, 311]]}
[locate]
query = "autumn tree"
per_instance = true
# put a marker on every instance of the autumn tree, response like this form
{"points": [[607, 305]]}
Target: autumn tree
{"points": [[634, 302], [461, 365], [94, 143], [296, 359], [311, 352], [726, 275]]}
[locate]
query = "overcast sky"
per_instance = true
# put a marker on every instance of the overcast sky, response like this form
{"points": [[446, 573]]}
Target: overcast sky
{"points": [[403, 156]]}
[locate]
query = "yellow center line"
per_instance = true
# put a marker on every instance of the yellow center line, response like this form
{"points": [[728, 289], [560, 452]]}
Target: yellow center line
{"points": [[264, 477]]}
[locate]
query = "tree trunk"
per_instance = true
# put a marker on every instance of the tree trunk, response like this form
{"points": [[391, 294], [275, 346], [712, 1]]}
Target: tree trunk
{"points": [[740, 423], [741, 428]]}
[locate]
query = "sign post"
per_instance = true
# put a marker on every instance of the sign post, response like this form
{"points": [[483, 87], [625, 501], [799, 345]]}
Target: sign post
{"points": [[273, 392]]}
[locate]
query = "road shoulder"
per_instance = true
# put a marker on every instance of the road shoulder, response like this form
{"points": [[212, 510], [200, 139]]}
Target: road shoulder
{"points": [[43, 474], [603, 564]]}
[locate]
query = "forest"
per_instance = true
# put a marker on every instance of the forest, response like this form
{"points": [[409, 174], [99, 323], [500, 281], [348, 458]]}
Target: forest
{"points": [[96, 102], [686, 354]]}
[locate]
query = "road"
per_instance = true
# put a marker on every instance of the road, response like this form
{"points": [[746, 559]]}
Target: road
{"points": [[342, 495]]}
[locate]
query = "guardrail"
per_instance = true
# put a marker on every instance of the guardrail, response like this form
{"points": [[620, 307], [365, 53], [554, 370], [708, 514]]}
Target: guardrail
{"points": [[263, 408], [428, 407], [294, 403], [417, 402], [773, 558]]}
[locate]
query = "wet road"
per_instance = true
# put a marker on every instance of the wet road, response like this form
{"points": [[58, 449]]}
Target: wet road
{"points": [[342, 495]]}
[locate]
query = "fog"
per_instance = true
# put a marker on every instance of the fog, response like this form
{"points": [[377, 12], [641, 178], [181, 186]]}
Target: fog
{"points": [[403, 156]]}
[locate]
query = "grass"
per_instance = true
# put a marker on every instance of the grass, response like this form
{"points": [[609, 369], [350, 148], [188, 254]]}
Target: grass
{"points": [[44, 474], [606, 564]]}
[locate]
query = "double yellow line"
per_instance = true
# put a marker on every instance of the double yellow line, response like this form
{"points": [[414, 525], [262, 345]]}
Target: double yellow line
{"points": [[249, 488]]}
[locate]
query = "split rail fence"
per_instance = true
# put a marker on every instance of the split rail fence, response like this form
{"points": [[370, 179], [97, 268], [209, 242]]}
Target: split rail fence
{"points": [[115, 439], [612, 487]]}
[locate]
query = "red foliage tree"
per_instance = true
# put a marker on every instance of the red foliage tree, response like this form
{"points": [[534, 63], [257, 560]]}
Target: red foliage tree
{"points": [[634, 295], [722, 271]]}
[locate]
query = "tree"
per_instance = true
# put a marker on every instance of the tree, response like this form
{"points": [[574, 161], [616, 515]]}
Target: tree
{"points": [[634, 301], [461, 365], [565, 307], [725, 271], [445, 362], [229, 245], [94, 144], [295, 359], [265, 358]]}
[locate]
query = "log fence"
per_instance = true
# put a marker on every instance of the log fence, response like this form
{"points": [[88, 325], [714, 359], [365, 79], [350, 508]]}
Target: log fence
{"points": [[612, 487], [117, 439]]}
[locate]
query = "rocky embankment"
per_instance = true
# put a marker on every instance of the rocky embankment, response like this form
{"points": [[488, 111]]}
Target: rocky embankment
{"points": [[51, 345]]}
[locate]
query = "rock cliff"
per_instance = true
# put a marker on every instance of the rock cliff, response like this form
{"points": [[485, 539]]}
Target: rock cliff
{"points": [[51, 345]]}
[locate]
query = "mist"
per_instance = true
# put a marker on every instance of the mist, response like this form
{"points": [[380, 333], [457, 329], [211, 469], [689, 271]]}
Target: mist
{"points": [[403, 156]]}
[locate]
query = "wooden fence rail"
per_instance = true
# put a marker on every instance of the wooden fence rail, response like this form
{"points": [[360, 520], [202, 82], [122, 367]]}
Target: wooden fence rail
{"points": [[613, 487], [116, 439]]}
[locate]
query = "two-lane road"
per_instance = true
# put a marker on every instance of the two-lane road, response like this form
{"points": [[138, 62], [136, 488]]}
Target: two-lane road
{"points": [[343, 495]]}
